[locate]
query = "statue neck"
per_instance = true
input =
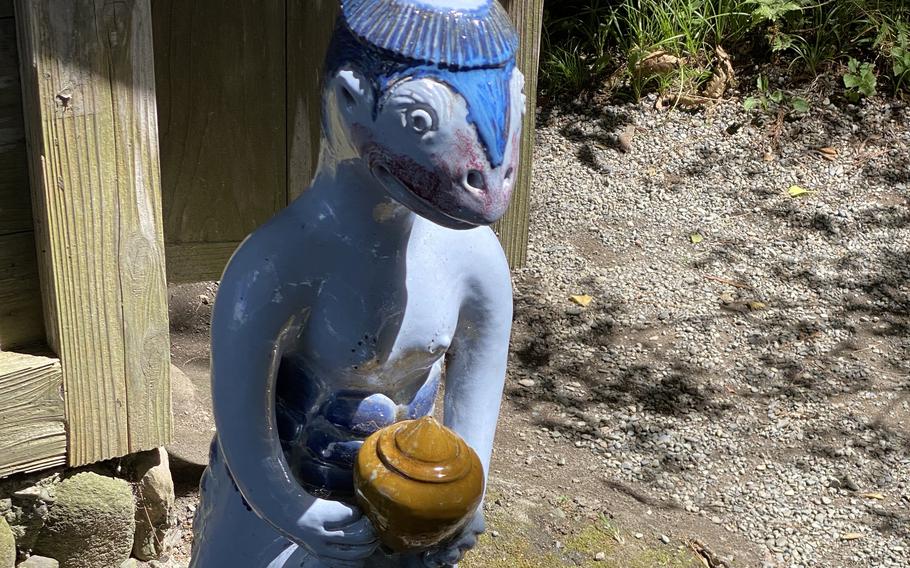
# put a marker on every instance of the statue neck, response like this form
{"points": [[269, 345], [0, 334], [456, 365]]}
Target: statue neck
{"points": [[357, 199]]}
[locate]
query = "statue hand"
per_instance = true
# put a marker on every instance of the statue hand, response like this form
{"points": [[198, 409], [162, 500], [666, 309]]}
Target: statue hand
{"points": [[453, 550], [337, 533]]}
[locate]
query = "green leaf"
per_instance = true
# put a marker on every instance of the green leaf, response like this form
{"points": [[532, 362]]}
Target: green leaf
{"points": [[797, 191], [800, 105], [696, 238], [762, 83], [777, 97], [851, 81], [781, 42], [751, 103]]}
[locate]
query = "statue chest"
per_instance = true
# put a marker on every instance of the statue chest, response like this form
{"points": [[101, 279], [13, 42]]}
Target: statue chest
{"points": [[379, 331]]}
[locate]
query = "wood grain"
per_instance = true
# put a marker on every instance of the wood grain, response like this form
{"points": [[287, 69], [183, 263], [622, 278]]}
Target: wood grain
{"points": [[513, 227], [32, 427], [310, 27], [15, 208], [194, 262], [220, 68], [21, 322], [88, 84]]}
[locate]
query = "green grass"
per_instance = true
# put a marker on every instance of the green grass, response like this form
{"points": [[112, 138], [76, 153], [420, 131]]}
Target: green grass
{"points": [[586, 42]]}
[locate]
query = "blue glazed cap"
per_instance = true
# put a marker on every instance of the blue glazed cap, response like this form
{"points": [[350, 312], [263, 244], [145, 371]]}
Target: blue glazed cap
{"points": [[458, 34]]}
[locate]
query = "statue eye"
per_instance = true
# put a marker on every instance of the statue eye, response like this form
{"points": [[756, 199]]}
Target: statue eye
{"points": [[422, 120]]}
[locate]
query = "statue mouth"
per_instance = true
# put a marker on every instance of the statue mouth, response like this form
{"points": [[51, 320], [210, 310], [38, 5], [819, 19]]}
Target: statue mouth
{"points": [[410, 197]]}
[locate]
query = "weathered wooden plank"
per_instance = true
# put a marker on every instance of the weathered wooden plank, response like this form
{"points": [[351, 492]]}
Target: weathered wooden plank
{"points": [[310, 26], [20, 293], [32, 427], [89, 94], [196, 262], [220, 67], [513, 227], [15, 209]]}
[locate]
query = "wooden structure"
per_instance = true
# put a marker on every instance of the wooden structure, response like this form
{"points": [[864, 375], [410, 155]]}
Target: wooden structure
{"points": [[240, 120], [88, 219]]}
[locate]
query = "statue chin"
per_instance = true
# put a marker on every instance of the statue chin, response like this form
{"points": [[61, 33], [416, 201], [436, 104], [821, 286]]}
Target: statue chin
{"points": [[461, 218]]}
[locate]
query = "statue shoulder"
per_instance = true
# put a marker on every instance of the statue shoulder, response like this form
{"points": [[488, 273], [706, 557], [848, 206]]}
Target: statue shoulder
{"points": [[482, 263]]}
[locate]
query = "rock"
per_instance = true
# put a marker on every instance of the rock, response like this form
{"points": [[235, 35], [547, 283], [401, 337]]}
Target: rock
{"points": [[7, 545], [130, 563], [528, 383], [600, 556], [40, 562], [155, 503], [91, 524], [28, 510]]}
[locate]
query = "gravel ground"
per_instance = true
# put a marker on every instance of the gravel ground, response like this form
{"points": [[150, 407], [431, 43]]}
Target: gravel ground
{"points": [[758, 378]]}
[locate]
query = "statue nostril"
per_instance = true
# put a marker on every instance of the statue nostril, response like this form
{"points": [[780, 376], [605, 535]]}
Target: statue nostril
{"points": [[475, 180]]}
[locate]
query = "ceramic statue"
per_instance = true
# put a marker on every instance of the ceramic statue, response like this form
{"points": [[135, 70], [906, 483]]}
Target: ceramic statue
{"points": [[343, 313]]}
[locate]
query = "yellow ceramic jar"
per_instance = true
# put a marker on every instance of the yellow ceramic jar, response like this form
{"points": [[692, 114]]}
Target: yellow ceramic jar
{"points": [[418, 482]]}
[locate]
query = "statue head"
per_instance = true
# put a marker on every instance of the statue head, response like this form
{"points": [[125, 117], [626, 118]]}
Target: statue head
{"points": [[425, 93]]}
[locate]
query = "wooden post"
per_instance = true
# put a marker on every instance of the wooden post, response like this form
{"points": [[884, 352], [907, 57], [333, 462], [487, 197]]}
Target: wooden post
{"points": [[310, 27], [513, 227], [89, 98]]}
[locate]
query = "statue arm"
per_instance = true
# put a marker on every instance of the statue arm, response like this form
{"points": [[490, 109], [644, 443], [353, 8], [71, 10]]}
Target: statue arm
{"points": [[475, 374], [476, 366], [260, 300]]}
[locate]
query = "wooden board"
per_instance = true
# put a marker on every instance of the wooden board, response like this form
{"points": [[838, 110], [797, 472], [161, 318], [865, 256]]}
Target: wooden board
{"points": [[32, 427], [194, 262], [15, 208], [220, 67], [310, 27], [21, 322], [513, 227], [89, 95]]}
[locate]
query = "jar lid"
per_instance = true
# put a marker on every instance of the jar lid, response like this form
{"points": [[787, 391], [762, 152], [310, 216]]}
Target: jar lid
{"points": [[425, 450]]}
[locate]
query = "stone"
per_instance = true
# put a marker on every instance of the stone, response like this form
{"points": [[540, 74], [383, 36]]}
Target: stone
{"points": [[7, 545], [28, 510], [91, 524], [130, 563], [155, 514], [40, 562]]}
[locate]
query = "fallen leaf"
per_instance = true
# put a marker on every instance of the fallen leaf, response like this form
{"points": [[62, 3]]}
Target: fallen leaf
{"points": [[851, 536], [755, 305], [873, 495], [797, 191], [827, 153], [768, 157], [582, 300], [722, 77], [658, 62], [696, 238], [727, 298], [625, 138]]}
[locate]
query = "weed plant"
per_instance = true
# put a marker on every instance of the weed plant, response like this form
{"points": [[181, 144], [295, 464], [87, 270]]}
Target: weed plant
{"points": [[587, 42]]}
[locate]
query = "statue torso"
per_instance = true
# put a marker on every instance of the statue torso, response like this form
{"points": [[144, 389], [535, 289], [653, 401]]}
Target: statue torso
{"points": [[370, 349]]}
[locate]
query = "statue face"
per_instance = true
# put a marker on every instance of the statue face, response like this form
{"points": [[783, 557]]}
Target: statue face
{"points": [[427, 154]]}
